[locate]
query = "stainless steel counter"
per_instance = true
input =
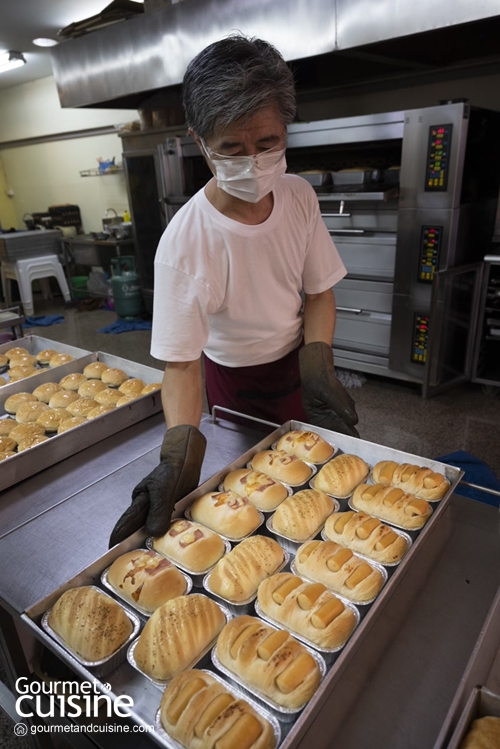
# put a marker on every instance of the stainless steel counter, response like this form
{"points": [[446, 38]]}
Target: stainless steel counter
{"points": [[397, 686]]}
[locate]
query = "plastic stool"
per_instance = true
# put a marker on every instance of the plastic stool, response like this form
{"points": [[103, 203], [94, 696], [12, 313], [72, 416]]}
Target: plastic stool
{"points": [[26, 271]]}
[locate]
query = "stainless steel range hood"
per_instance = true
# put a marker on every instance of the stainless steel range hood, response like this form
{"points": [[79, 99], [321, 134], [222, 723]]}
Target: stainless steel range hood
{"points": [[122, 64]]}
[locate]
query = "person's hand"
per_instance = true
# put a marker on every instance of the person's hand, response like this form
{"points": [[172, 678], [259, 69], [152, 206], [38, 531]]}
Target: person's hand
{"points": [[153, 499], [326, 402]]}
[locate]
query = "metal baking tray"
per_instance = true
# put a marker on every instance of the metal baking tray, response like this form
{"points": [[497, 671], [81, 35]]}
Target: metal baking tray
{"points": [[201, 660], [291, 544], [404, 535], [481, 703], [266, 512], [104, 666], [60, 446], [285, 714], [188, 515], [144, 612], [410, 531], [196, 577], [170, 743], [34, 344]]}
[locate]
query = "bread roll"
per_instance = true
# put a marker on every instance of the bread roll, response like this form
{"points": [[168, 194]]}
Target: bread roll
{"points": [[282, 467], [6, 454], [72, 381], [113, 377], [483, 734], [262, 491], [44, 392], [21, 372], [392, 504], [238, 574], [302, 515], [307, 446], [145, 578], [81, 406], [308, 609], [177, 634], [134, 386], [226, 513], [22, 360], [43, 357], [95, 369], [71, 423], [271, 661], [6, 426], [16, 351], [63, 398], [30, 411], [422, 482], [58, 359], [107, 397], [191, 545], [4, 360], [13, 402], [151, 388], [89, 388], [29, 442], [7, 444], [98, 410], [367, 535], [125, 400], [341, 475], [51, 419], [3, 381], [23, 431], [339, 569], [198, 712], [91, 623]]}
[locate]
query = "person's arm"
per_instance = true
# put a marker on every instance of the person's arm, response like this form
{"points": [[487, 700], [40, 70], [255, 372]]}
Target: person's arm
{"points": [[319, 317], [182, 393]]}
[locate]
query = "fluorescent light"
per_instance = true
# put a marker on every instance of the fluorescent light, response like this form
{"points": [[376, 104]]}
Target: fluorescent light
{"points": [[45, 42], [10, 60]]}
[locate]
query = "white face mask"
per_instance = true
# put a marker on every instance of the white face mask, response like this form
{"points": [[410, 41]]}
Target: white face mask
{"points": [[248, 178]]}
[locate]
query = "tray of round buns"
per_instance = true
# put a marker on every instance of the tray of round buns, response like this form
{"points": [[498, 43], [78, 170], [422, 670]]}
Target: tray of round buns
{"points": [[309, 595]]}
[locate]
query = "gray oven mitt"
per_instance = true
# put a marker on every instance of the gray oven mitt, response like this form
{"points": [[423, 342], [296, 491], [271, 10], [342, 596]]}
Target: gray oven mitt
{"points": [[153, 499], [326, 402]]}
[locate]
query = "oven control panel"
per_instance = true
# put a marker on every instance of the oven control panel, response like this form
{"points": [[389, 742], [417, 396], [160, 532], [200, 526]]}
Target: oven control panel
{"points": [[420, 338], [430, 249], [438, 158]]}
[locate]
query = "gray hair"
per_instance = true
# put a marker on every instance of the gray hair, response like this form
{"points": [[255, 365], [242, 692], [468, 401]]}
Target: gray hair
{"points": [[236, 78]]}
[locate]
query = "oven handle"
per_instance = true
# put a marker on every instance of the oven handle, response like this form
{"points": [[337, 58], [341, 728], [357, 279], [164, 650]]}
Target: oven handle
{"points": [[337, 215], [350, 309], [345, 231]]}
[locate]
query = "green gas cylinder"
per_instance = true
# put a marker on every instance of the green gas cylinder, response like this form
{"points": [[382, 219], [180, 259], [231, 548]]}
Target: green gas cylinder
{"points": [[126, 287]]}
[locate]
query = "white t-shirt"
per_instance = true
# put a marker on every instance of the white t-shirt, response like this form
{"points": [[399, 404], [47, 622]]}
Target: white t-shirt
{"points": [[233, 290]]}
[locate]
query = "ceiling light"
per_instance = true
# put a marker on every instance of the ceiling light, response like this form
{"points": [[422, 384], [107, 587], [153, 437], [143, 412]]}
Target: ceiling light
{"points": [[10, 60], [45, 42]]}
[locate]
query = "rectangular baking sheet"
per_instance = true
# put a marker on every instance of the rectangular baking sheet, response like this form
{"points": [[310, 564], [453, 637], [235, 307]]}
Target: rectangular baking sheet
{"points": [[61, 446]]}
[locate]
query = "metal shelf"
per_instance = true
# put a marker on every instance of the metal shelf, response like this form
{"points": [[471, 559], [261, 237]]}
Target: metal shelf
{"points": [[96, 172]]}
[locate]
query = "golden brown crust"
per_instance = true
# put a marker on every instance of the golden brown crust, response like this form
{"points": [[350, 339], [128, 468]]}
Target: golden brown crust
{"points": [[151, 388], [306, 445], [176, 635], [29, 442], [282, 467], [113, 377], [70, 423], [483, 734], [7, 425], [16, 351], [63, 398], [134, 386], [51, 419], [13, 402], [7, 444], [22, 431], [392, 504], [72, 381], [262, 491], [238, 574], [191, 545], [99, 410], [341, 475], [107, 397], [339, 569], [241, 648], [3, 381], [302, 620], [58, 359], [226, 513], [302, 515], [43, 357], [89, 388], [46, 391], [30, 411], [21, 372], [366, 535], [91, 624], [22, 360], [81, 406], [125, 400], [95, 369], [422, 482], [145, 578], [6, 454], [200, 712]]}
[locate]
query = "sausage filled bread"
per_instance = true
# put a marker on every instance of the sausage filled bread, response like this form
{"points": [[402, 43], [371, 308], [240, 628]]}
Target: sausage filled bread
{"points": [[302, 515], [308, 609], [177, 634], [237, 575], [366, 535], [307, 446], [393, 505], [484, 734], [262, 491], [191, 545], [282, 467], [146, 578], [339, 569], [199, 712], [341, 475], [226, 513], [270, 660], [422, 482], [91, 623]]}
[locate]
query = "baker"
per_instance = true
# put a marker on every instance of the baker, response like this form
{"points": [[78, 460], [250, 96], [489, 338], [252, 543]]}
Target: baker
{"points": [[229, 273]]}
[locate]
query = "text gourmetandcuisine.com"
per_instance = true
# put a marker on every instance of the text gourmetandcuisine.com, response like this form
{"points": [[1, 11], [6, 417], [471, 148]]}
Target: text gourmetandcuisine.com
{"points": [[69, 699]]}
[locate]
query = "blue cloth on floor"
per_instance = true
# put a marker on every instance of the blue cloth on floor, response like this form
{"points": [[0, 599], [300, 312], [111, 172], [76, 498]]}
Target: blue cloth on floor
{"points": [[124, 326], [476, 472], [44, 320]]}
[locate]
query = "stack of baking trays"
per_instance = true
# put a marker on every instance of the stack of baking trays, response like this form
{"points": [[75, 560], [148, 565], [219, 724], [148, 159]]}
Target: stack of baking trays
{"points": [[266, 582], [56, 399]]}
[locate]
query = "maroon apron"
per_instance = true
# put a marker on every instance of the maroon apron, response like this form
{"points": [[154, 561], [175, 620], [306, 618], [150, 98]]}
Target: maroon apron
{"points": [[268, 391]]}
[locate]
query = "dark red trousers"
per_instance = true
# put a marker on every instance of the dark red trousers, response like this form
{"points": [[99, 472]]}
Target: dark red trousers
{"points": [[268, 391]]}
